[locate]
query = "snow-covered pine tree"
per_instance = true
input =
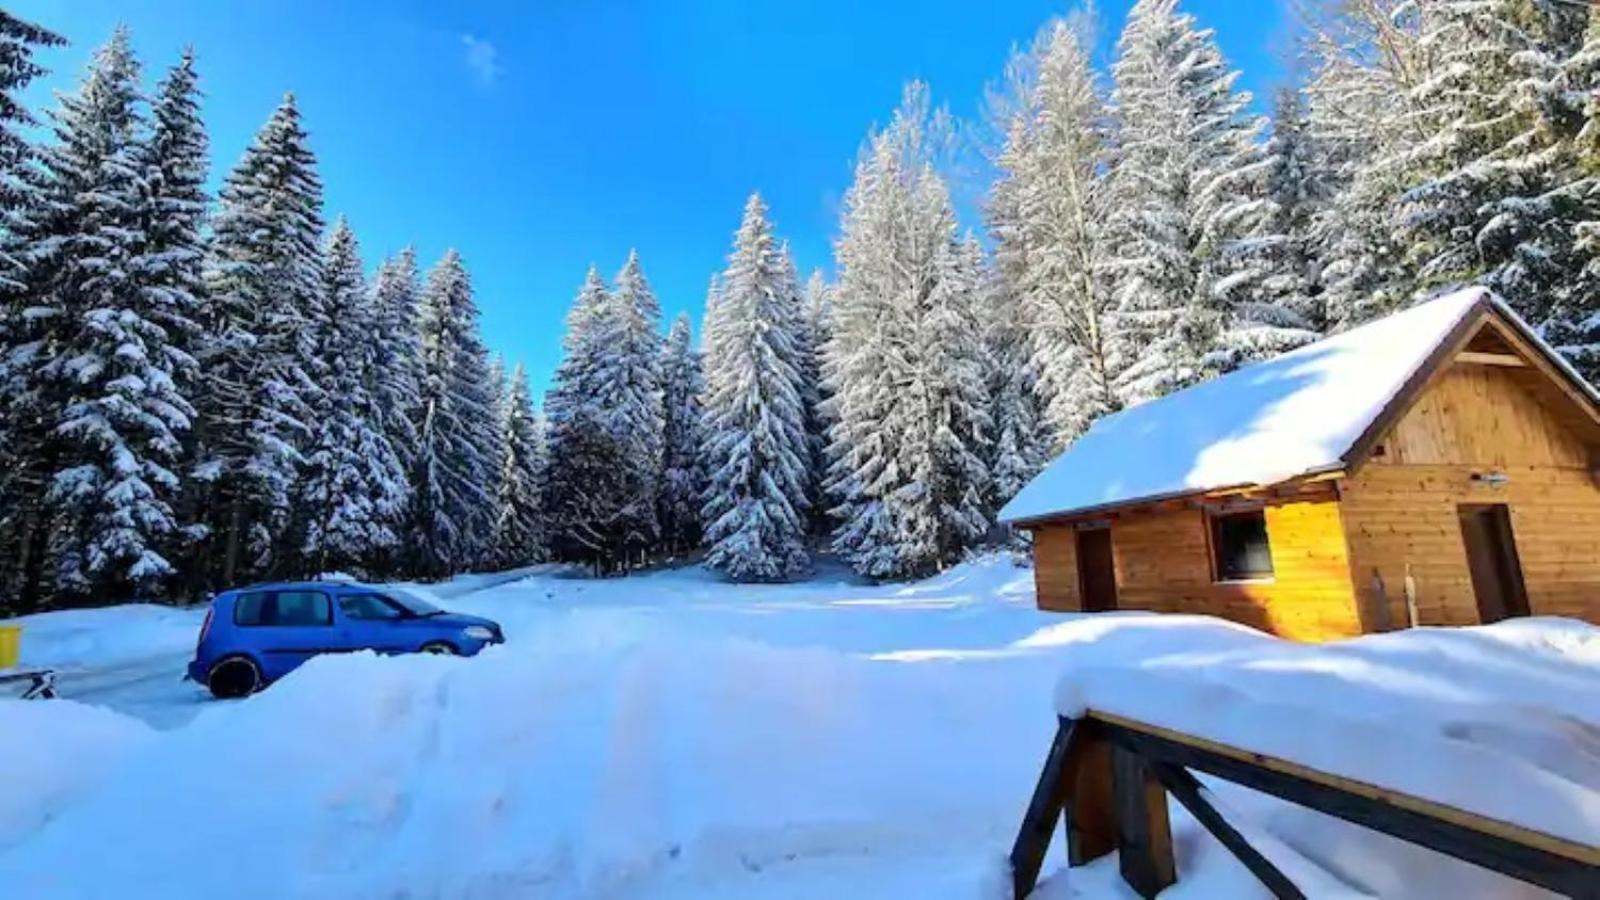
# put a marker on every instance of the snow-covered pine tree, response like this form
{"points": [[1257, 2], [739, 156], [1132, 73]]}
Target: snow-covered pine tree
{"points": [[1360, 114], [629, 394], [1503, 188], [905, 363], [1299, 190], [22, 530], [817, 318], [19, 39], [451, 515], [354, 486], [584, 484], [682, 474], [1022, 442], [519, 535], [172, 262], [1575, 327], [497, 394], [1187, 195], [264, 290], [394, 381], [1053, 165], [755, 450], [105, 371]]}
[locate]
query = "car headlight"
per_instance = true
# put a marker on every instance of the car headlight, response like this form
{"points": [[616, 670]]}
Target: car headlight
{"points": [[478, 633]]}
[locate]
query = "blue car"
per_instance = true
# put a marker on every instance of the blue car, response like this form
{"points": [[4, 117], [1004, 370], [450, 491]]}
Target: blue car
{"points": [[254, 635]]}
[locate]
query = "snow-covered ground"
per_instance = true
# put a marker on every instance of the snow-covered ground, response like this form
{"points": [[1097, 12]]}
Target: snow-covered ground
{"points": [[664, 735]]}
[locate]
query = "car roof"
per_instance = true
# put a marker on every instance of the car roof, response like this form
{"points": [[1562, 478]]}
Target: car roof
{"points": [[329, 586]]}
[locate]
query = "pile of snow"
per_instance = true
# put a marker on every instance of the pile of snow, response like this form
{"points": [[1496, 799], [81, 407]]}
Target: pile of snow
{"points": [[1503, 721], [669, 735], [110, 636], [52, 754]]}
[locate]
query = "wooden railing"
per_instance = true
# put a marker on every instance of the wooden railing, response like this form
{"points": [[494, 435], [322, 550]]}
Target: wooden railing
{"points": [[1107, 777]]}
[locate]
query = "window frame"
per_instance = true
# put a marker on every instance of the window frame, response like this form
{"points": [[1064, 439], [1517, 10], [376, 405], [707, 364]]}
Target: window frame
{"points": [[400, 612], [272, 596], [1213, 520]]}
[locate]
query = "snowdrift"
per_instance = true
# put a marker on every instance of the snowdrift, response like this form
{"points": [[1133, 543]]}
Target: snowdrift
{"points": [[1503, 721]]}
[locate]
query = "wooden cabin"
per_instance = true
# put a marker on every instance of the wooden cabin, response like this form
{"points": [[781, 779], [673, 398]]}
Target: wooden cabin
{"points": [[1436, 467]]}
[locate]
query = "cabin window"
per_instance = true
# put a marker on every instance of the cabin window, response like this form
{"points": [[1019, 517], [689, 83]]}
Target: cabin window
{"points": [[1239, 547]]}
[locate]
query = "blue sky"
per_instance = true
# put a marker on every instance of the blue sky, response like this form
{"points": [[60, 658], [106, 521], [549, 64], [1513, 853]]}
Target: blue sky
{"points": [[537, 137]]}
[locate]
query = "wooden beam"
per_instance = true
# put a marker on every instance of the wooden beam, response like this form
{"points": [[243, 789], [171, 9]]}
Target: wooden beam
{"points": [[1557, 864], [1192, 795], [1090, 816], [1473, 357], [1039, 823], [1144, 834]]}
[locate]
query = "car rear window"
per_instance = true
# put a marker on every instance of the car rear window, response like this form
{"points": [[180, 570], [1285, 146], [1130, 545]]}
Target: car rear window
{"points": [[283, 608]]}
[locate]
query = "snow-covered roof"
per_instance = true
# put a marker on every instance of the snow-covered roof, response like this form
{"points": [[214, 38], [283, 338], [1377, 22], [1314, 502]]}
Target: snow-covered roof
{"points": [[1297, 414]]}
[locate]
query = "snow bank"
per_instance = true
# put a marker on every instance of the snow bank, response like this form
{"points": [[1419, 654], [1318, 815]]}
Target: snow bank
{"points": [[54, 753], [1502, 720], [109, 636], [590, 760]]}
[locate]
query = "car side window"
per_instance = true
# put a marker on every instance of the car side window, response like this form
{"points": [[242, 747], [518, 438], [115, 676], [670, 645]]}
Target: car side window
{"points": [[301, 608], [248, 609], [368, 606]]}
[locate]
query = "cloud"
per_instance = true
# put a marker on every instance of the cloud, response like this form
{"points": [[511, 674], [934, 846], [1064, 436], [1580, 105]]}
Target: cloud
{"points": [[482, 59]]}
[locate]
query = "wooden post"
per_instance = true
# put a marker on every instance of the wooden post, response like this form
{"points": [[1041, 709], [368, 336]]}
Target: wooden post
{"points": [[1144, 834], [1039, 823], [1091, 820]]}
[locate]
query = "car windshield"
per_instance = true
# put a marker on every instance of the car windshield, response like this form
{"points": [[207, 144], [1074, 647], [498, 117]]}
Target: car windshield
{"points": [[413, 604]]}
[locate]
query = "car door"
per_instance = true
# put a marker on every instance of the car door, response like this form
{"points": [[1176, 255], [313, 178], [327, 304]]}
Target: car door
{"points": [[288, 627], [371, 621]]}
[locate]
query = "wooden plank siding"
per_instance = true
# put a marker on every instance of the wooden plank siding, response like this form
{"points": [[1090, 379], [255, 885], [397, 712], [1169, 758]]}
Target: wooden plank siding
{"points": [[1400, 509], [1163, 564], [1055, 568]]}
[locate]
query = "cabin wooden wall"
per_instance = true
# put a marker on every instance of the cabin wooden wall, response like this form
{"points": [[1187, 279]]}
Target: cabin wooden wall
{"points": [[1400, 509], [1163, 564]]}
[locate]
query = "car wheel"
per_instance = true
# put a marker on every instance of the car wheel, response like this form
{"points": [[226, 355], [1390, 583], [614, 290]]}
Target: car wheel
{"points": [[440, 648], [234, 677]]}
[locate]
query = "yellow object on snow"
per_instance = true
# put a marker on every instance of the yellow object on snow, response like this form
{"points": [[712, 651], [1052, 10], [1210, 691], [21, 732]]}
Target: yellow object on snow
{"points": [[10, 645]]}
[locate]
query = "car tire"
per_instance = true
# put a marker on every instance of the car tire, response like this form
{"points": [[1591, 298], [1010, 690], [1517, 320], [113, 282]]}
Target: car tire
{"points": [[234, 677], [440, 648]]}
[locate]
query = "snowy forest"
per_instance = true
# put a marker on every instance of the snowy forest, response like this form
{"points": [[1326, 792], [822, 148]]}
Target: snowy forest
{"points": [[207, 390]]}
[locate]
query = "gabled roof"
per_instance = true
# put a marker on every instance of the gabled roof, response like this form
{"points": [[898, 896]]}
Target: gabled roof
{"points": [[1315, 410]]}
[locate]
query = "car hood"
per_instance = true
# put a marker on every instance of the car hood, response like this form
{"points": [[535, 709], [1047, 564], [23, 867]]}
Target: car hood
{"points": [[460, 620]]}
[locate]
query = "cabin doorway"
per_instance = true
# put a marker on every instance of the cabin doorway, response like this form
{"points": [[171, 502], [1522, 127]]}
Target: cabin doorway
{"points": [[1097, 572], [1492, 560]]}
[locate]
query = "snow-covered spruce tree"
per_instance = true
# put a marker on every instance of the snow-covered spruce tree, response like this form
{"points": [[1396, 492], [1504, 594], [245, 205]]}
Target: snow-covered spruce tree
{"points": [[519, 537], [354, 487], [1360, 114], [682, 475], [451, 515], [755, 444], [22, 530], [1022, 442], [817, 327], [628, 387], [497, 394], [1188, 210], [1052, 166], [1574, 326], [584, 483], [1299, 189], [104, 371], [394, 380], [1503, 188], [905, 364], [264, 292], [172, 266]]}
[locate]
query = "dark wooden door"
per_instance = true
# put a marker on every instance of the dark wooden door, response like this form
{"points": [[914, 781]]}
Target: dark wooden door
{"points": [[1097, 573], [1492, 559]]}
